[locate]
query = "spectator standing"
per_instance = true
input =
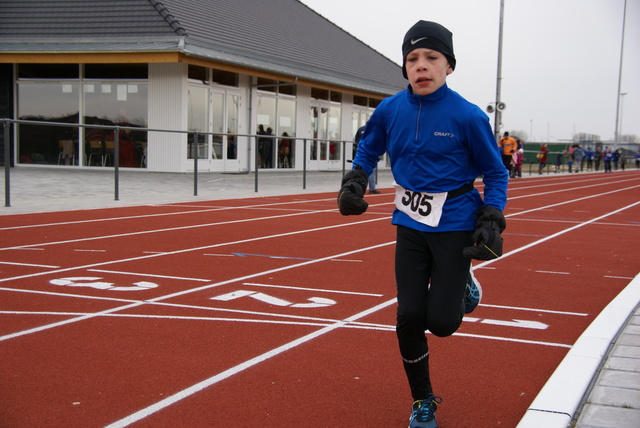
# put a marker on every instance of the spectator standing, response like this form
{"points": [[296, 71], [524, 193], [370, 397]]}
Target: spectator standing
{"points": [[508, 147], [637, 158], [616, 159], [597, 157], [542, 157], [607, 157], [518, 160], [578, 156]]}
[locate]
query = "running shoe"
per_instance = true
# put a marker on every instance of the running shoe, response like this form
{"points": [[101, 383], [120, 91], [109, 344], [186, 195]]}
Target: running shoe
{"points": [[472, 294], [423, 413]]}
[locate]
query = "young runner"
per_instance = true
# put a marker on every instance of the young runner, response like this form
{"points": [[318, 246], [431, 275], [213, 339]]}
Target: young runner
{"points": [[438, 144]]}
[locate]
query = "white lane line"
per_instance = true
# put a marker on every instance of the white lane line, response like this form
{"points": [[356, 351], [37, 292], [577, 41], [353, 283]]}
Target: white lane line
{"points": [[173, 229], [241, 367], [322, 290], [28, 264], [357, 325], [150, 275], [133, 217], [193, 249]]}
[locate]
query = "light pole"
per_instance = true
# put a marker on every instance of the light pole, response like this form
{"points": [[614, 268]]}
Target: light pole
{"points": [[619, 94], [622, 94], [497, 118]]}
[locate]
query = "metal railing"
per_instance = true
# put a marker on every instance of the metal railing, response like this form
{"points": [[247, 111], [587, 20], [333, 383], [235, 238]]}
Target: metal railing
{"points": [[115, 129]]}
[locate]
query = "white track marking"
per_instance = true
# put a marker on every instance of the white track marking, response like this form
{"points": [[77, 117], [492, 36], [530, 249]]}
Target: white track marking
{"points": [[189, 291], [28, 264], [181, 278], [214, 379], [203, 210], [170, 229], [192, 249], [322, 290], [241, 367]]}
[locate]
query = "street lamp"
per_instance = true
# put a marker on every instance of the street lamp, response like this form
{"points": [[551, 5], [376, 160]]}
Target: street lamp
{"points": [[619, 94], [499, 106], [622, 94]]}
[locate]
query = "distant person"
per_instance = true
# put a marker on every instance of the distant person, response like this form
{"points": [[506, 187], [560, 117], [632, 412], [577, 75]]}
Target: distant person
{"points": [[518, 160], [508, 147], [590, 155], [442, 220], [597, 157], [616, 159], [284, 149], [637, 158], [542, 157], [607, 157], [577, 155]]}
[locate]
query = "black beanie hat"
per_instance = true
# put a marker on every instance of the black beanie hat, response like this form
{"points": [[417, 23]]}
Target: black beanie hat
{"points": [[429, 35]]}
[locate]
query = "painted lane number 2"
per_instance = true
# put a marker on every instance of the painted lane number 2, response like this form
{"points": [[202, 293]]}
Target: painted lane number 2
{"points": [[316, 302]]}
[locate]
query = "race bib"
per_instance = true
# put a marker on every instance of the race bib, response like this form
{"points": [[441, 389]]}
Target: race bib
{"points": [[425, 208]]}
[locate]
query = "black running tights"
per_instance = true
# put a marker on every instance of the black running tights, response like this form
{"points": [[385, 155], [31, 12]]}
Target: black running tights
{"points": [[431, 276]]}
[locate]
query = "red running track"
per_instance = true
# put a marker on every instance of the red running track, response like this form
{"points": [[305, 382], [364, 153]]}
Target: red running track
{"points": [[278, 312]]}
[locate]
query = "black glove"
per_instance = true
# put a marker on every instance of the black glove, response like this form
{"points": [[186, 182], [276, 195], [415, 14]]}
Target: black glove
{"points": [[488, 242], [350, 197], [488, 213]]}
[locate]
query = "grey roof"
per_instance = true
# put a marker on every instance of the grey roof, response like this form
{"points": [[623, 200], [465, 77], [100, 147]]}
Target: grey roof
{"points": [[279, 36]]}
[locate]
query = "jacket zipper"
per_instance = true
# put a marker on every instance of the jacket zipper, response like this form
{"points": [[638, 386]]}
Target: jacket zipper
{"points": [[418, 121]]}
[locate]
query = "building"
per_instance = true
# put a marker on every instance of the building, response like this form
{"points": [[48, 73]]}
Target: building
{"points": [[227, 69]]}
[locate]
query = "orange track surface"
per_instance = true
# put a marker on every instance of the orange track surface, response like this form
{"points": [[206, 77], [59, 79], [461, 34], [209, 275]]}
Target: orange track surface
{"points": [[278, 312]]}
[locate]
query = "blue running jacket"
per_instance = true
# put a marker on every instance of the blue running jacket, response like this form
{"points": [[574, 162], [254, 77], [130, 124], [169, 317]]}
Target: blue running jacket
{"points": [[436, 143]]}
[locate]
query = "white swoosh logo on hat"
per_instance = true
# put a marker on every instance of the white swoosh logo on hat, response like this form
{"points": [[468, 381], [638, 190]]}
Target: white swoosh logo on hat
{"points": [[414, 41]]}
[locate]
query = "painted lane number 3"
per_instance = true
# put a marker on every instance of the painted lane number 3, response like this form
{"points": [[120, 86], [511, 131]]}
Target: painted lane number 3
{"points": [[94, 282], [418, 202]]}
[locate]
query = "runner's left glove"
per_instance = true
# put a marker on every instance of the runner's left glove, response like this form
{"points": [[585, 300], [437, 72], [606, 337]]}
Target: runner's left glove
{"points": [[488, 242], [351, 194]]}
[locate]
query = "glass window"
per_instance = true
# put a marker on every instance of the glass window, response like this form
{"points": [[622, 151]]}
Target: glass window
{"points": [[198, 73], [360, 101], [287, 90], [124, 104], [226, 78], [233, 109], [319, 94], [221, 77], [217, 124], [116, 71], [48, 102], [286, 129], [334, 132], [266, 125], [266, 85], [48, 71]]}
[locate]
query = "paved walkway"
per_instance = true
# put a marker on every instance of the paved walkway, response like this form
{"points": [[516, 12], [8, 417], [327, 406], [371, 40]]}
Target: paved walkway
{"points": [[598, 382]]}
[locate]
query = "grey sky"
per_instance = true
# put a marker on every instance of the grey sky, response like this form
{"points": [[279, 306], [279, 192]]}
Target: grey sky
{"points": [[560, 58]]}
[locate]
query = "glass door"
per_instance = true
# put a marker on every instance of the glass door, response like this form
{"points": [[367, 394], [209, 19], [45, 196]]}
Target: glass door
{"points": [[325, 151], [198, 99], [225, 107]]}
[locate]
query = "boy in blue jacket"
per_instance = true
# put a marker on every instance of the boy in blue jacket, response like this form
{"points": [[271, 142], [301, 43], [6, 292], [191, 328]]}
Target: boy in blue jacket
{"points": [[438, 144]]}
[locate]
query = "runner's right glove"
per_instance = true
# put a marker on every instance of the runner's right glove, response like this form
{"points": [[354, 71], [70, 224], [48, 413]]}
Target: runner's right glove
{"points": [[351, 194], [488, 242]]}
